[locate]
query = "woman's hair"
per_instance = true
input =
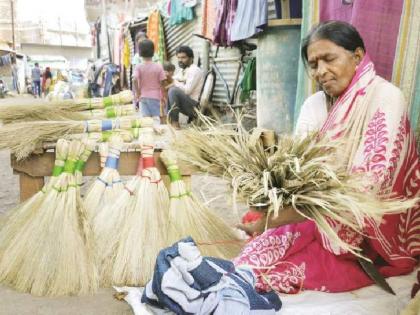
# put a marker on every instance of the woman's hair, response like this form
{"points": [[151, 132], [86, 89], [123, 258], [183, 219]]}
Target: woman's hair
{"points": [[186, 50], [340, 33], [167, 66], [146, 48]]}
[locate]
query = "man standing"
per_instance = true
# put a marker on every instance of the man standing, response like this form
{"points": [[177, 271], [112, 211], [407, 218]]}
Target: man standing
{"points": [[36, 80], [183, 95]]}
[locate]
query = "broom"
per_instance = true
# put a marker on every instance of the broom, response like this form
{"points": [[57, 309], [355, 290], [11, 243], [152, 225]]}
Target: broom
{"points": [[189, 217], [23, 138], [301, 173], [16, 218], [38, 109], [103, 191], [109, 112], [127, 136], [52, 254], [142, 232]]}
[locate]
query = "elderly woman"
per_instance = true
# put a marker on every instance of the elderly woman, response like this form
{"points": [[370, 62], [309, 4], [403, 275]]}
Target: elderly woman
{"points": [[369, 115]]}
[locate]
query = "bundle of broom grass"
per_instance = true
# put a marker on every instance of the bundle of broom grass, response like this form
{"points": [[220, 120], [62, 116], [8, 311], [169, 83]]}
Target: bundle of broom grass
{"points": [[303, 173], [39, 109], [190, 217], [141, 216], [23, 138], [51, 252]]}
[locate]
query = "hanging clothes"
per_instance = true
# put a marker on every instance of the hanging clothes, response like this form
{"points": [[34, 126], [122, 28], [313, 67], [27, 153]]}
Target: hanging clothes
{"points": [[209, 16], [162, 45], [155, 32], [249, 80], [225, 17], [377, 21], [179, 13], [153, 28], [294, 7], [250, 18]]}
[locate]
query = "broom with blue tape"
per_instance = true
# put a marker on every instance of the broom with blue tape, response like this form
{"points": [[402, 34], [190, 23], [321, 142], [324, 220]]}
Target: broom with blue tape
{"points": [[130, 253], [108, 185], [39, 109], [23, 138]]}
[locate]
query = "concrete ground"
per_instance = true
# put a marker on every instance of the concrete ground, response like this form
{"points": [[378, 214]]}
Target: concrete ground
{"points": [[103, 302]]}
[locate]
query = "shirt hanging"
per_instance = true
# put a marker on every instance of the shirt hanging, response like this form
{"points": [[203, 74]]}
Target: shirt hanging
{"points": [[179, 13]]}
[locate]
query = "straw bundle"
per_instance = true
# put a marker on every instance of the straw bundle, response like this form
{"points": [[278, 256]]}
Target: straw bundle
{"points": [[131, 255], [38, 109], [189, 217], [104, 190], [301, 172], [23, 138], [52, 253]]}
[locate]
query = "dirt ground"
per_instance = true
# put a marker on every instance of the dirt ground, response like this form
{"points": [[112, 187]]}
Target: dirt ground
{"points": [[211, 189]]}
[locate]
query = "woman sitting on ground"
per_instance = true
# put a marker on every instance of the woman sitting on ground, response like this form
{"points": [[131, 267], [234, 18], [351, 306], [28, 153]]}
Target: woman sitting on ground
{"points": [[369, 115]]}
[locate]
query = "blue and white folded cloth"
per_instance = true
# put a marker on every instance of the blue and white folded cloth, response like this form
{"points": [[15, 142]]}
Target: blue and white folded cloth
{"points": [[184, 282]]}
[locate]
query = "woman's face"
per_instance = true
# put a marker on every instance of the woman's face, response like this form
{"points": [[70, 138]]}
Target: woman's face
{"points": [[332, 66]]}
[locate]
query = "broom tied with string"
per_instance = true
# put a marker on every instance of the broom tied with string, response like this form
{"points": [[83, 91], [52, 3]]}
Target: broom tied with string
{"points": [[189, 217], [108, 185], [23, 138], [38, 109], [130, 257], [302, 173], [51, 254]]}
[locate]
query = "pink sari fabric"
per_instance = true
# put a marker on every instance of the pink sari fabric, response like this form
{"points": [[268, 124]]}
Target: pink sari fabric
{"points": [[290, 258]]}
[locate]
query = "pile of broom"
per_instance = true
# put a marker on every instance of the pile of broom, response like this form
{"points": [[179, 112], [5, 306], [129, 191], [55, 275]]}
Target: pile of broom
{"points": [[303, 173], [58, 243]]}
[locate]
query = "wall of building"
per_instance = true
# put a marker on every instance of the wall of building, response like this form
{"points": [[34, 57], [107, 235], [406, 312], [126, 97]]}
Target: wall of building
{"points": [[76, 56]]}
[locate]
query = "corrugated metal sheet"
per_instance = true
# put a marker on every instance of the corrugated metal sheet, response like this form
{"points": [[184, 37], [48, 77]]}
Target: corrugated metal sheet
{"points": [[228, 71]]}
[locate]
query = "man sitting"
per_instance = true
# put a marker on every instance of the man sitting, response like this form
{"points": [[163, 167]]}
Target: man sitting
{"points": [[184, 93]]}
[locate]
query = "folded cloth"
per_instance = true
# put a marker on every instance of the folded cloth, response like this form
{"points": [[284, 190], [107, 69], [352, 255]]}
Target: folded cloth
{"points": [[187, 283]]}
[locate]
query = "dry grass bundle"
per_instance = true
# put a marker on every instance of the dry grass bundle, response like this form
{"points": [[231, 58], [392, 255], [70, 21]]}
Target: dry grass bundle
{"points": [[52, 254], [103, 191], [301, 172], [142, 224], [23, 138], [39, 109], [189, 217]]}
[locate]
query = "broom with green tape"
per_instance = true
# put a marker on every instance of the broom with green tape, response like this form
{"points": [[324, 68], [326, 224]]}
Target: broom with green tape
{"points": [[189, 217], [129, 255], [23, 138], [15, 219], [52, 254], [38, 109]]}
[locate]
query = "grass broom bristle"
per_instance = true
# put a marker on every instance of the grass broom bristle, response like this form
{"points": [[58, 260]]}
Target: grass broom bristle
{"points": [[301, 172], [189, 217], [143, 230], [39, 109], [23, 138], [51, 254]]}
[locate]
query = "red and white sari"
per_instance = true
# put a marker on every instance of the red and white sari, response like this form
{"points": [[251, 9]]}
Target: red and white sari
{"points": [[371, 115]]}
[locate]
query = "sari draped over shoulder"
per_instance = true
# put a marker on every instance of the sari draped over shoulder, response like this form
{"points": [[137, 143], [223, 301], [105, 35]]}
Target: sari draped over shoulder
{"points": [[371, 120]]}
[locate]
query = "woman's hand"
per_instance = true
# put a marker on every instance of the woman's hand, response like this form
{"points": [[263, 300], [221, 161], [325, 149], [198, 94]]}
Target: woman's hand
{"points": [[286, 215]]}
